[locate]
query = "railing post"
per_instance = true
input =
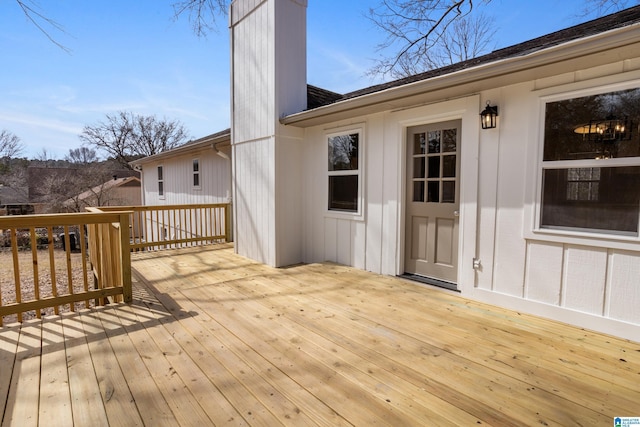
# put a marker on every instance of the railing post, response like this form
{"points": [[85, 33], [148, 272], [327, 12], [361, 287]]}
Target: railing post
{"points": [[125, 258], [227, 222]]}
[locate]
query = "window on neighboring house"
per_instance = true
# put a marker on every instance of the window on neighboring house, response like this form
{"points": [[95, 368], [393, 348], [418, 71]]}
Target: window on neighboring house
{"points": [[591, 164], [196, 173], [160, 182], [344, 172]]}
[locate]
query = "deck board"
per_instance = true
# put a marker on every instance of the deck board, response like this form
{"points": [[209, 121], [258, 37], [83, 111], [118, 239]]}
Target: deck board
{"points": [[215, 339], [55, 400]]}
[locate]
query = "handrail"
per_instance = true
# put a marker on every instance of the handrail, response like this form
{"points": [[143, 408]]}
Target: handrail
{"points": [[175, 226], [111, 273]]}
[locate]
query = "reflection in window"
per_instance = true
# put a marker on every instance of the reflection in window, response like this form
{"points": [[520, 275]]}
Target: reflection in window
{"points": [[613, 207], [344, 172], [587, 191], [600, 126], [583, 183]]}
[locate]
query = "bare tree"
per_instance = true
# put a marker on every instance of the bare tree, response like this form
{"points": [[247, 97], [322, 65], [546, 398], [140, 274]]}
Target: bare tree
{"points": [[127, 136], [202, 14], [42, 22], [466, 38], [426, 34], [43, 156], [73, 189], [10, 145], [82, 155], [605, 7], [415, 27]]}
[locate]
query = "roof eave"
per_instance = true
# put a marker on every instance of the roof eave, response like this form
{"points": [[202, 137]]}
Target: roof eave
{"points": [[206, 142], [484, 76]]}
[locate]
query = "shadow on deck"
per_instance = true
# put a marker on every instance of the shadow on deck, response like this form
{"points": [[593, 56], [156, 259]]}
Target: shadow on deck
{"points": [[215, 339]]}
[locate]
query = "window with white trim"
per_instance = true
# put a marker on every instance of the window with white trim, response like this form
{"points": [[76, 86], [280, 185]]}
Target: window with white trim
{"points": [[160, 182], [344, 171], [196, 173], [591, 164]]}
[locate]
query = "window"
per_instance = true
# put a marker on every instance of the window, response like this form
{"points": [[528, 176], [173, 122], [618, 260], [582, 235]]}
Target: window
{"points": [[591, 164], [160, 182], [344, 172], [434, 165], [196, 173]]}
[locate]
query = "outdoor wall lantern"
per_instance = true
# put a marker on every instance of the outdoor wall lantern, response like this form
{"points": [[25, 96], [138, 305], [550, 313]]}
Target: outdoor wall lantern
{"points": [[488, 116]]}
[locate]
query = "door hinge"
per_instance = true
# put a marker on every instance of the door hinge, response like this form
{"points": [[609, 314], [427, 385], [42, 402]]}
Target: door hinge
{"points": [[477, 264]]}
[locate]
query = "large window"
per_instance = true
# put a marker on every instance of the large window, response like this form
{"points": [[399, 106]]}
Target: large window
{"points": [[344, 171], [591, 164]]}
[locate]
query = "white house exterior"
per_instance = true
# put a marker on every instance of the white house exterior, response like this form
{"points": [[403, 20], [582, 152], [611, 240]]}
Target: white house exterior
{"points": [[400, 178], [196, 172]]}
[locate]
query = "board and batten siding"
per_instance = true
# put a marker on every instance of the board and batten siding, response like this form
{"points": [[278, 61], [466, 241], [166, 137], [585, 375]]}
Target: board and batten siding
{"points": [[594, 283], [215, 180], [268, 40]]}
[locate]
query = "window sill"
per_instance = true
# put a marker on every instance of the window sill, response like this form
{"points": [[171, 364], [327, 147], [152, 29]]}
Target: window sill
{"points": [[350, 216], [585, 238]]}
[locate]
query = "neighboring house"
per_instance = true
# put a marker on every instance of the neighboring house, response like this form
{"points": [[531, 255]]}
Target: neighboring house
{"points": [[15, 201], [115, 192], [539, 214], [48, 187], [196, 172]]}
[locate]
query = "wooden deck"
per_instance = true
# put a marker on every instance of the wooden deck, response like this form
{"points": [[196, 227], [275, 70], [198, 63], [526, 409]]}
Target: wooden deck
{"points": [[215, 339]]}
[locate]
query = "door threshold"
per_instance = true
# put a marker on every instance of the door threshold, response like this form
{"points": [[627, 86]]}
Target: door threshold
{"points": [[430, 281]]}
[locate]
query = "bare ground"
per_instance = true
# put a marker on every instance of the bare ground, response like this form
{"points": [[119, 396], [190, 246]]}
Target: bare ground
{"points": [[28, 287]]}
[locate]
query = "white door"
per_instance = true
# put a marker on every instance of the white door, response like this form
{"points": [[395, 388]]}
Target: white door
{"points": [[433, 170]]}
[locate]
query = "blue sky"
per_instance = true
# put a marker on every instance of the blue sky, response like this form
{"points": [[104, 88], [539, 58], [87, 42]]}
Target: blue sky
{"points": [[130, 55]]}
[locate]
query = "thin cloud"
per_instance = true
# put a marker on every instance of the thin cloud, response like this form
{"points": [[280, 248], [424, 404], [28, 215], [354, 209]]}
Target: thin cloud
{"points": [[41, 122]]}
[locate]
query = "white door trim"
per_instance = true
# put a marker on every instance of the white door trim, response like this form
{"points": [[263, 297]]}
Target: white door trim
{"points": [[466, 109]]}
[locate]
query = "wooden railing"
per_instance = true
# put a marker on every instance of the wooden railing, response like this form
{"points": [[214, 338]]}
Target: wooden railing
{"points": [[175, 226], [45, 262]]}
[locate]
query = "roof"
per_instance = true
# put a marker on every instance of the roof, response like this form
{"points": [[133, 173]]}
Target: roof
{"points": [[37, 176], [617, 20], [316, 97], [131, 181], [13, 196], [214, 141], [570, 44]]}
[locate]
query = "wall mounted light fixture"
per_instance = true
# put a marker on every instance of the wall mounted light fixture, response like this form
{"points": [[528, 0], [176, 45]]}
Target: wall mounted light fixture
{"points": [[488, 116]]}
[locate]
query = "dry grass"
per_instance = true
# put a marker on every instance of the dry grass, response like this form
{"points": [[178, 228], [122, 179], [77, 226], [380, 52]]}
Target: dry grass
{"points": [[28, 286]]}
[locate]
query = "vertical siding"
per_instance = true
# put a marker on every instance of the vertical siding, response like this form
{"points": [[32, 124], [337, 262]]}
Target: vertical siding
{"points": [[215, 184], [288, 175], [597, 281], [489, 167], [510, 247], [374, 177], [587, 284], [391, 174], [254, 200], [268, 80], [253, 71]]}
